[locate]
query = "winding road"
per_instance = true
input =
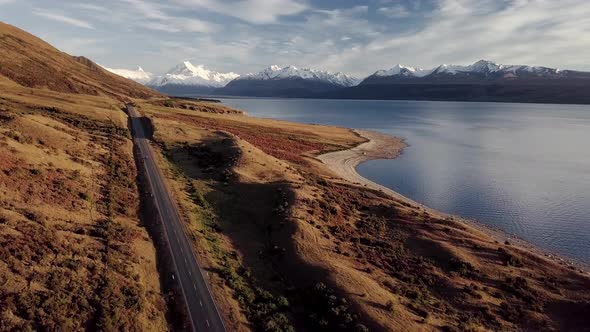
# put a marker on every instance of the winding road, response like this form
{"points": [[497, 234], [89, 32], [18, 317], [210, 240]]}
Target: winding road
{"points": [[202, 310]]}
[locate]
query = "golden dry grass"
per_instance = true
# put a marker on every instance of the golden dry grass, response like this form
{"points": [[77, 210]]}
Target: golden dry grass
{"points": [[344, 256], [73, 254], [31, 62]]}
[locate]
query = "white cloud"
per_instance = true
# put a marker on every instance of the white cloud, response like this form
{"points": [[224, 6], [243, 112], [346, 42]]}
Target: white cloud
{"points": [[5, 2], [148, 9], [154, 16], [59, 17], [536, 32], [234, 35], [396, 11], [253, 11], [88, 6]]}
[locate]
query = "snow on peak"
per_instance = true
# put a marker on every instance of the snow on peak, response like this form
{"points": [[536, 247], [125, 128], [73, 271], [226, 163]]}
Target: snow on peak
{"points": [[484, 67], [138, 75], [403, 70], [186, 73], [286, 72], [489, 67]]}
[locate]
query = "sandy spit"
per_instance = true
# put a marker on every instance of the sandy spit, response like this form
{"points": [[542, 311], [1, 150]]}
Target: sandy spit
{"points": [[380, 146]]}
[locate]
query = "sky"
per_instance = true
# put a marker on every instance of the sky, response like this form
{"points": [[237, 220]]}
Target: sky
{"points": [[354, 37]]}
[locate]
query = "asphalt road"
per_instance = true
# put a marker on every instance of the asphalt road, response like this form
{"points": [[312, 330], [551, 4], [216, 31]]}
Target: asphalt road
{"points": [[202, 311]]}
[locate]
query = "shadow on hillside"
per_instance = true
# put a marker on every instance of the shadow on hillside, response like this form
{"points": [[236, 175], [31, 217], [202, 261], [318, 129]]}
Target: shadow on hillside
{"points": [[256, 219]]}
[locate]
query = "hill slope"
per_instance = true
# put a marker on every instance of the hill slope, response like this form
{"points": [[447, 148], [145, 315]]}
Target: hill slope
{"points": [[31, 62]]}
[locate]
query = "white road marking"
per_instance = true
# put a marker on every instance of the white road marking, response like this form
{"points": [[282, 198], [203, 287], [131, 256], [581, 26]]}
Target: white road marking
{"points": [[160, 196]]}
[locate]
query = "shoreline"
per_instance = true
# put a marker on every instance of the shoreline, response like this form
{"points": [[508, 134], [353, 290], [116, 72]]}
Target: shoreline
{"points": [[381, 146]]}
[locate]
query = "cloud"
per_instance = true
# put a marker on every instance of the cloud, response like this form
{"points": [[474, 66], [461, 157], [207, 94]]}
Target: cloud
{"points": [[536, 32], [155, 16], [5, 2], [248, 35], [396, 11], [252, 11], [88, 6], [148, 9], [518, 30], [58, 17]]}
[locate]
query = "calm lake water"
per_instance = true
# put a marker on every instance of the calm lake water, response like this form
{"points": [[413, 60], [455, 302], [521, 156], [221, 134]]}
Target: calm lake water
{"points": [[524, 168]]}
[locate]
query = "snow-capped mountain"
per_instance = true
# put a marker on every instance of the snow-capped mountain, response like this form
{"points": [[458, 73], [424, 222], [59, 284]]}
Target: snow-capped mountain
{"points": [[138, 75], [480, 81], [480, 70], [492, 69], [402, 70], [288, 81], [187, 79], [196, 75], [291, 72]]}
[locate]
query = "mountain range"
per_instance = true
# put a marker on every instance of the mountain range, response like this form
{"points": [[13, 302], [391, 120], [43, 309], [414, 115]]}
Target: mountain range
{"points": [[289, 81], [186, 78], [480, 72], [138, 75], [480, 81]]}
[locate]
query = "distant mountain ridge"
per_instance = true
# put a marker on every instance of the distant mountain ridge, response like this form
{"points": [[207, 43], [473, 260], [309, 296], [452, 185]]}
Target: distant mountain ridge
{"points": [[482, 71], [186, 78], [481, 81], [288, 81], [276, 72], [138, 75]]}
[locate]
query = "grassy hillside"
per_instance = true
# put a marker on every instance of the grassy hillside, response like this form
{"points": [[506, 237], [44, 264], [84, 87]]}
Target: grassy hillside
{"points": [[73, 254], [301, 249], [31, 62]]}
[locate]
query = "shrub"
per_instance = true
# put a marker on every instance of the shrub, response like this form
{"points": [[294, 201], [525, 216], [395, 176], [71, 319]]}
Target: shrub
{"points": [[465, 269], [33, 216], [509, 259], [389, 306]]}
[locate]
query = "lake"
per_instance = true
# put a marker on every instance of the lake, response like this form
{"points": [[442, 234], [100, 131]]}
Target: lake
{"points": [[523, 168]]}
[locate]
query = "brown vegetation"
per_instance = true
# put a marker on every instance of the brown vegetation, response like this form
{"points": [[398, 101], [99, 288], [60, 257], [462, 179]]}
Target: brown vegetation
{"points": [[72, 254], [30, 62], [194, 105], [266, 216]]}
